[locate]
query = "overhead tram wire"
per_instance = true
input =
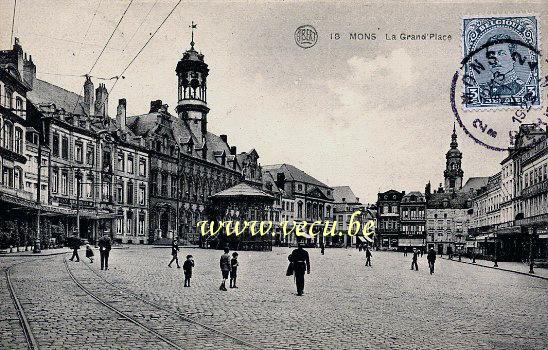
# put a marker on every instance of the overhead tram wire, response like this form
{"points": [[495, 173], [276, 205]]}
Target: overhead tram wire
{"points": [[13, 21], [91, 22], [104, 48], [121, 75], [111, 35], [140, 24]]}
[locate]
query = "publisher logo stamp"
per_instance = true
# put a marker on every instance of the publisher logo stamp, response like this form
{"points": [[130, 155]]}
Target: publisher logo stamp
{"points": [[306, 36]]}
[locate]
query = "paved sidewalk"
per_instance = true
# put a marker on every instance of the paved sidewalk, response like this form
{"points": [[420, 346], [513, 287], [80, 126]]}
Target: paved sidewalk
{"points": [[516, 267], [43, 252]]}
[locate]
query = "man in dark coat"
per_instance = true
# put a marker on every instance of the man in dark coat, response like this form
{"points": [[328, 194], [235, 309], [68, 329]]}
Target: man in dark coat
{"points": [[367, 257], [414, 261], [75, 245], [174, 252], [104, 250], [224, 264], [431, 259], [301, 262]]}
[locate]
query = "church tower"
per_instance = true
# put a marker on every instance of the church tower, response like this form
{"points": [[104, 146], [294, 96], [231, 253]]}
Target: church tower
{"points": [[192, 74], [453, 173]]}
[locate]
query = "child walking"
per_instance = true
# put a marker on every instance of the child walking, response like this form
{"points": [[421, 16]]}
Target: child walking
{"points": [[89, 253], [187, 268], [233, 269]]}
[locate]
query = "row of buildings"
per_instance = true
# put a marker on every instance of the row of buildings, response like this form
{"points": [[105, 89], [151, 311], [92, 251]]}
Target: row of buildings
{"points": [[68, 167], [503, 216]]}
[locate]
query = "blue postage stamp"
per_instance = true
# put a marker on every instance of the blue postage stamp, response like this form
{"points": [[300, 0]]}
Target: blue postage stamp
{"points": [[501, 67]]}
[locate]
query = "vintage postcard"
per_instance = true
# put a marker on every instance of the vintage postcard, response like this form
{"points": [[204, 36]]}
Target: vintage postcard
{"points": [[273, 174]]}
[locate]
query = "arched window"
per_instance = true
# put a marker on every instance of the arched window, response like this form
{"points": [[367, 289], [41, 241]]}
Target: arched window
{"points": [[18, 178], [18, 140], [300, 209], [7, 132], [8, 102], [19, 109]]}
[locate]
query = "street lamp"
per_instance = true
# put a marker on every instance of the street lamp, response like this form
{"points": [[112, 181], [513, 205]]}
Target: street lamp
{"points": [[496, 244], [531, 245], [78, 176]]}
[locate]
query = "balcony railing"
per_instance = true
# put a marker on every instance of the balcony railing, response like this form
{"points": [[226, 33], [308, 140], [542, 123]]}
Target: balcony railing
{"points": [[530, 191], [17, 193]]}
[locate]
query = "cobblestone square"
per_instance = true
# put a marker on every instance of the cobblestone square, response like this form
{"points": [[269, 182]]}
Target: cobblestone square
{"points": [[345, 306]]}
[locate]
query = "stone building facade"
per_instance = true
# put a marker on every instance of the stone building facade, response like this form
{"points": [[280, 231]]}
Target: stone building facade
{"points": [[388, 219], [312, 199], [188, 163]]}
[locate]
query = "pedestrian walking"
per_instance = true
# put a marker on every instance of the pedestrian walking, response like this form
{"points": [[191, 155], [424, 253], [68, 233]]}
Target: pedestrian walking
{"points": [[450, 252], [75, 245], [89, 253], [322, 247], [187, 268], [367, 257], [405, 251], [233, 269], [431, 259], [422, 252], [105, 245], [174, 252], [414, 261], [301, 263], [225, 268]]}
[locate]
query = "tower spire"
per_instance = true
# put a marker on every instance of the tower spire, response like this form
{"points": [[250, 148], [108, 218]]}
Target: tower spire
{"points": [[192, 26]]}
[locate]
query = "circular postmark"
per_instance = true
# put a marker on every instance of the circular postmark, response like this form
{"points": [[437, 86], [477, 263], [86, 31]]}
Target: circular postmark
{"points": [[306, 36], [500, 105]]}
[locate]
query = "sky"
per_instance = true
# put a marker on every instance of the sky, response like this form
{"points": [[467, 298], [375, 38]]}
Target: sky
{"points": [[371, 114]]}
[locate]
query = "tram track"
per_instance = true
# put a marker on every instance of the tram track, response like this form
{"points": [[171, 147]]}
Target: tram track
{"points": [[32, 344], [156, 306]]}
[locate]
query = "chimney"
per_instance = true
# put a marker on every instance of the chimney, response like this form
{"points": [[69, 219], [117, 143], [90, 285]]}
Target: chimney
{"points": [[155, 106], [121, 114], [18, 50], [280, 180], [224, 138], [89, 98], [232, 150], [29, 71], [101, 101]]}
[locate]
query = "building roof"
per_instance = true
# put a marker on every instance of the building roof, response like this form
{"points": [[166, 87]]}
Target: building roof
{"points": [[269, 179], [474, 184], [242, 191], [346, 193], [147, 124], [44, 93], [448, 200], [293, 173]]}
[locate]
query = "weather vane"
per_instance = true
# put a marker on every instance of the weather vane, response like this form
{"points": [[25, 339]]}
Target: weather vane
{"points": [[192, 27]]}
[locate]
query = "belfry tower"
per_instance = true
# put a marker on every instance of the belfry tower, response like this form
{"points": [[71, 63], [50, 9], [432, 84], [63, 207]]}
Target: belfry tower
{"points": [[192, 74], [453, 173]]}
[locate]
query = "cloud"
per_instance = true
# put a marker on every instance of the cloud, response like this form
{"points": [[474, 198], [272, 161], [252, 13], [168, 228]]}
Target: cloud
{"points": [[386, 81]]}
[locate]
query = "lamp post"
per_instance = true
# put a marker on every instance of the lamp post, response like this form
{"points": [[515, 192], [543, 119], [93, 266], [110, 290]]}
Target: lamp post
{"points": [[78, 183], [531, 246], [177, 228], [496, 250]]}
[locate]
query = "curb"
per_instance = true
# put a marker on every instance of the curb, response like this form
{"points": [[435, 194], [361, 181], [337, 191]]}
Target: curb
{"points": [[15, 255], [499, 268]]}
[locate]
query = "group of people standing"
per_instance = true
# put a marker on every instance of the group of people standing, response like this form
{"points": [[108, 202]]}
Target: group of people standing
{"points": [[431, 257], [229, 267], [104, 243]]}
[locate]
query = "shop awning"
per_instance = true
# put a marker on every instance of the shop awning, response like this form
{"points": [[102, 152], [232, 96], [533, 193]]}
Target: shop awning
{"points": [[410, 242], [364, 239]]}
